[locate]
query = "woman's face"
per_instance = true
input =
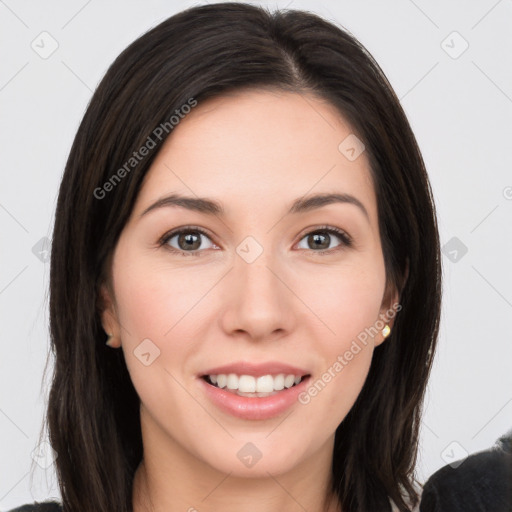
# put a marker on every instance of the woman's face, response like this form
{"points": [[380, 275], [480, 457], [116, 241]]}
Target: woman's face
{"points": [[266, 286]]}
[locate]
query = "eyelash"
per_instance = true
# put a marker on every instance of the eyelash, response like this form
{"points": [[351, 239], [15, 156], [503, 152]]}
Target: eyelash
{"points": [[346, 240]]}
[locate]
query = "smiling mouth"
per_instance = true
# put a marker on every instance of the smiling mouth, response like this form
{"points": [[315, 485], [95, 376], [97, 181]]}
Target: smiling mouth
{"points": [[254, 387]]}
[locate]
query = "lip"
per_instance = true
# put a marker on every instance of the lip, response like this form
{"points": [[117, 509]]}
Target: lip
{"points": [[246, 368], [254, 408]]}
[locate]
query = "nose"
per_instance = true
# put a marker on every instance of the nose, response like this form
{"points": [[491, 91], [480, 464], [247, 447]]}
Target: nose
{"points": [[258, 300]]}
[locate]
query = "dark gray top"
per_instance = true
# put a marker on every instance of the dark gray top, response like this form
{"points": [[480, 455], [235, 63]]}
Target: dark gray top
{"points": [[45, 506]]}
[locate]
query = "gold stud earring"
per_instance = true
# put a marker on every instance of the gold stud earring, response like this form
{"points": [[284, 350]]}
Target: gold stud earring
{"points": [[386, 331], [110, 340]]}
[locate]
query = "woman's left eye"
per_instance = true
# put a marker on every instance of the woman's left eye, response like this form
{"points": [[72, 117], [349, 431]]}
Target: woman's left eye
{"points": [[189, 240], [320, 241]]}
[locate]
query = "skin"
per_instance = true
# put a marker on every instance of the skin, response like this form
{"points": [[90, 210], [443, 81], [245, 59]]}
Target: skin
{"points": [[255, 152]]}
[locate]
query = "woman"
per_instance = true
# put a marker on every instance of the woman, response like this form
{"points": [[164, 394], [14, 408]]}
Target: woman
{"points": [[245, 219]]}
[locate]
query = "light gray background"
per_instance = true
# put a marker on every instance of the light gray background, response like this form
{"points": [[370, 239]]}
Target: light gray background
{"points": [[460, 110]]}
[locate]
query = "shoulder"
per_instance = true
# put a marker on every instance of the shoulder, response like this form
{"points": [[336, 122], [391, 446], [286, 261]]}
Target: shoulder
{"points": [[487, 465], [45, 506], [482, 481]]}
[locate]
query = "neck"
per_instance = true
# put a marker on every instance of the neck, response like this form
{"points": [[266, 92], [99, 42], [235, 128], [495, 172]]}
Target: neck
{"points": [[171, 479]]}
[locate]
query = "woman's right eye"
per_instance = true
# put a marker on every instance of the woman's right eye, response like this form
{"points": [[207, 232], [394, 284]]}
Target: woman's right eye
{"points": [[187, 240]]}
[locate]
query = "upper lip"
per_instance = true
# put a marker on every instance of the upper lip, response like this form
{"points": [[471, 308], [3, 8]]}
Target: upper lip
{"points": [[246, 368]]}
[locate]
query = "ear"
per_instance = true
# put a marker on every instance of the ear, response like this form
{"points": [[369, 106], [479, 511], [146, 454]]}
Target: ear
{"points": [[390, 305], [108, 315]]}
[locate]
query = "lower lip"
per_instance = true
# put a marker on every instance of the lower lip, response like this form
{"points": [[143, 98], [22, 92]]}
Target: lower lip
{"points": [[254, 408]]}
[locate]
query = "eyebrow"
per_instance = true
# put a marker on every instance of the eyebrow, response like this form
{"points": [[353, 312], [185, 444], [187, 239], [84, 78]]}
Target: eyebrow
{"points": [[211, 207]]}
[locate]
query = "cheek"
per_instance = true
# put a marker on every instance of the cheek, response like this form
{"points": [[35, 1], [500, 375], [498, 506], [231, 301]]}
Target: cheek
{"points": [[153, 303], [348, 303], [164, 311], [154, 300], [156, 310], [347, 299]]}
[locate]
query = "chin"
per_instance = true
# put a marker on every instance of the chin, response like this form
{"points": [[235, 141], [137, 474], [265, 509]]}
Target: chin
{"points": [[256, 459]]}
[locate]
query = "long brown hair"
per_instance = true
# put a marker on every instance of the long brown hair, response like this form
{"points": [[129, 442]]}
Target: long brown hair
{"points": [[203, 52]]}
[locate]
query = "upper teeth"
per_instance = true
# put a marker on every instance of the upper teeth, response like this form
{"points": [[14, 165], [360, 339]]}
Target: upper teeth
{"points": [[250, 384]]}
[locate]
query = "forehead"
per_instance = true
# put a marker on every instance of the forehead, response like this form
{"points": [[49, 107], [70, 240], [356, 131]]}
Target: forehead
{"points": [[259, 147]]}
